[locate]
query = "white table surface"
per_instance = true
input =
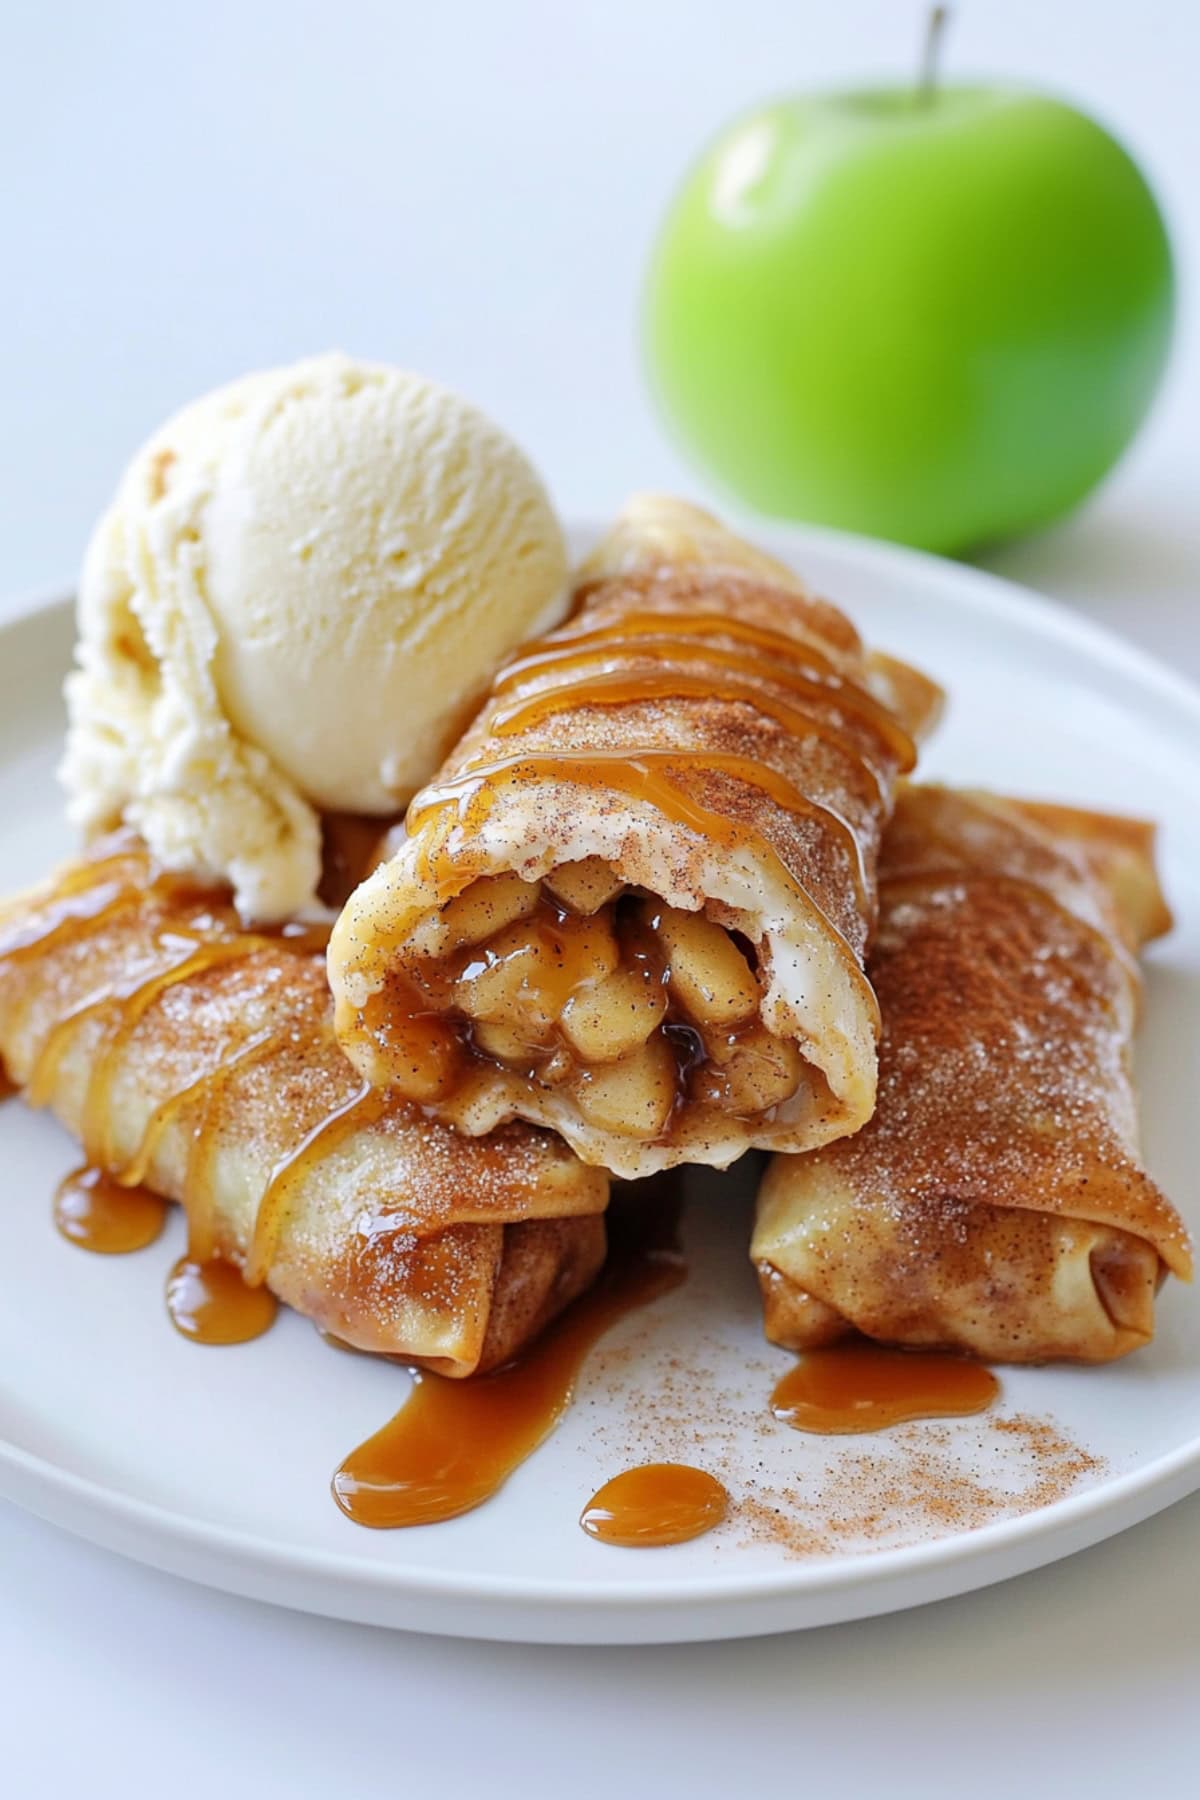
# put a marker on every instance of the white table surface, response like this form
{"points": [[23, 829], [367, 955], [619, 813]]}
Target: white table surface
{"points": [[470, 189]]}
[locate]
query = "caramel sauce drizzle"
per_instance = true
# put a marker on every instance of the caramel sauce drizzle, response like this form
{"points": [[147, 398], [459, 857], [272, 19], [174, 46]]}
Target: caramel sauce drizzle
{"points": [[774, 657], [642, 775], [455, 1443], [132, 1000], [621, 687], [863, 1386], [308, 937], [765, 657], [585, 667], [670, 626], [618, 690], [364, 1107], [656, 1504], [134, 1171], [67, 920], [96, 1130], [209, 1299]]}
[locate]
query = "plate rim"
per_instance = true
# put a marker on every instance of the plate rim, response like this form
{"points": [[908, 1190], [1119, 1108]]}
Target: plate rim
{"points": [[792, 1579], [1112, 1505]]}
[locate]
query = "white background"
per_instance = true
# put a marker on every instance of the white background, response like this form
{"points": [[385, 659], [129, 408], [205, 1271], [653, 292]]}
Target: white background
{"points": [[186, 192]]}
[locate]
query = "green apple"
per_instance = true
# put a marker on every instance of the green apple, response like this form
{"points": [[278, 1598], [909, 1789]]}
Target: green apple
{"points": [[935, 316]]}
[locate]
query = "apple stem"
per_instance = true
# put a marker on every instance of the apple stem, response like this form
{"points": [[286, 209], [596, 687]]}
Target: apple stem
{"points": [[931, 54]]}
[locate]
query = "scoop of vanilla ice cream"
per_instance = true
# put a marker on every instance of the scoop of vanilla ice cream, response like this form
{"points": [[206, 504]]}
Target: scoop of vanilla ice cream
{"points": [[294, 603]]}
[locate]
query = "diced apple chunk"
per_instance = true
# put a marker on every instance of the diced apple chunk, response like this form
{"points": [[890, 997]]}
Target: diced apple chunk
{"points": [[613, 1017], [425, 1057], [490, 985], [525, 977], [505, 1044], [633, 1097], [753, 1073], [486, 908], [709, 976], [585, 886]]}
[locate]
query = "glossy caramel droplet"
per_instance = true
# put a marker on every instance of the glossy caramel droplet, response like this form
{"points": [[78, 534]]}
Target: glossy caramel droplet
{"points": [[657, 1504], [97, 1213], [865, 1387], [8, 1086], [210, 1303], [456, 1442]]}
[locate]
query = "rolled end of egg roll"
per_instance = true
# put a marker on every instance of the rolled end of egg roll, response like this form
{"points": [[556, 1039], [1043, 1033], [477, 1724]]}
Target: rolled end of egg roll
{"points": [[996, 1202], [633, 906], [200, 1060]]}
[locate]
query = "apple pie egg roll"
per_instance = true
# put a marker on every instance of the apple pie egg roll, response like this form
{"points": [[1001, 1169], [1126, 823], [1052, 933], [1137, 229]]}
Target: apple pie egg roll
{"points": [[996, 1203], [200, 1059], [634, 905]]}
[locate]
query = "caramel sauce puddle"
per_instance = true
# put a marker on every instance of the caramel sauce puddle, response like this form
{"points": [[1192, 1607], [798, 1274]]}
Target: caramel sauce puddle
{"points": [[209, 1302], [860, 1386], [96, 1212], [654, 1505]]}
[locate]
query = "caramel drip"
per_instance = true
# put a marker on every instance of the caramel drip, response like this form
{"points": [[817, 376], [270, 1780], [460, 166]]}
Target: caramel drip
{"points": [[621, 688], [862, 1386], [645, 775], [209, 1302], [455, 1443], [656, 1504], [780, 661], [93, 1211], [364, 1107], [8, 1087]]}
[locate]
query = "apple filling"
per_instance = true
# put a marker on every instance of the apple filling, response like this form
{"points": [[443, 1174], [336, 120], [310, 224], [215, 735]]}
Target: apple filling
{"points": [[635, 1008]]}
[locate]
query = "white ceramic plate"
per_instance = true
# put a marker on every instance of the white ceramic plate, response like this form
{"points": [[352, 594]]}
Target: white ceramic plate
{"points": [[215, 1463]]}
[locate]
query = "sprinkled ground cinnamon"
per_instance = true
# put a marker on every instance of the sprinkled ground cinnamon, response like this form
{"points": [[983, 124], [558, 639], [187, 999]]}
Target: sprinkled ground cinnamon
{"points": [[811, 1497], [689, 1380]]}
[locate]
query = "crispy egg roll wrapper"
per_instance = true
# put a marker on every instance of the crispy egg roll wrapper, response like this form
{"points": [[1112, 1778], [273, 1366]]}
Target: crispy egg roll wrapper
{"points": [[709, 739], [162, 1034], [996, 1202]]}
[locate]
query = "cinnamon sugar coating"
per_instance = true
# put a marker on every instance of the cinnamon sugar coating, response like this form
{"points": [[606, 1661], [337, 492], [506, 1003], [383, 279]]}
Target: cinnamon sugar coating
{"points": [[996, 1202]]}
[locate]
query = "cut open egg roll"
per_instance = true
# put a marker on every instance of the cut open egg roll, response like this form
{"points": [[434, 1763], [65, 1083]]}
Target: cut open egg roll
{"points": [[996, 1202], [199, 1059], [634, 904]]}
